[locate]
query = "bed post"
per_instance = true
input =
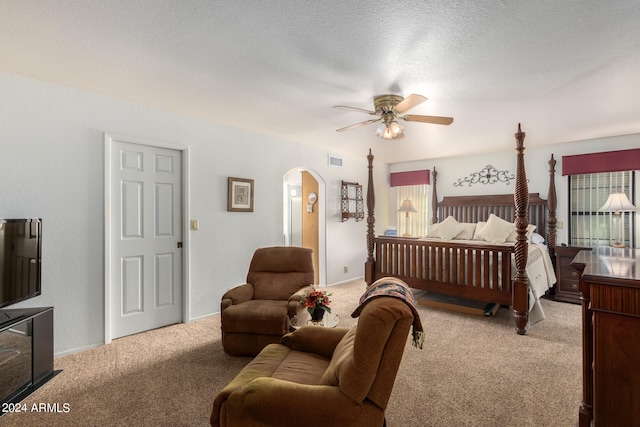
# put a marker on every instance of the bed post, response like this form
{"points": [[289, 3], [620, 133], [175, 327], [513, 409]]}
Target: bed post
{"points": [[552, 203], [434, 197], [520, 281], [370, 264]]}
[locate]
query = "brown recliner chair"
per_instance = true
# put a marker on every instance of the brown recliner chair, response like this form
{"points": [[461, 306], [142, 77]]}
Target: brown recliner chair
{"points": [[321, 376], [258, 312]]}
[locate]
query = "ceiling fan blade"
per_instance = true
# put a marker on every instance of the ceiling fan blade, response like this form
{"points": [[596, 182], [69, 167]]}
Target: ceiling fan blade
{"points": [[362, 110], [409, 102], [428, 119], [357, 125]]}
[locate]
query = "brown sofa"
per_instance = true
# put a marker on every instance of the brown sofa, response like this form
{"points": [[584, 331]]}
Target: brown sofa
{"points": [[258, 312], [320, 376]]}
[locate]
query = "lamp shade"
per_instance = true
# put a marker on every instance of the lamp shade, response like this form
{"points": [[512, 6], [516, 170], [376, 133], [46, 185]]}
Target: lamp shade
{"points": [[617, 202], [407, 206], [392, 130]]}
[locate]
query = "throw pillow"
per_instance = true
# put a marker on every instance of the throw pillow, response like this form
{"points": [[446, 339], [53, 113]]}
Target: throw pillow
{"points": [[479, 226], [447, 229], [537, 239], [467, 232], [496, 230], [512, 236]]}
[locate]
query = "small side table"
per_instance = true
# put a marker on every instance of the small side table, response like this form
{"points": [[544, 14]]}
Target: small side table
{"points": [[329, 320]]}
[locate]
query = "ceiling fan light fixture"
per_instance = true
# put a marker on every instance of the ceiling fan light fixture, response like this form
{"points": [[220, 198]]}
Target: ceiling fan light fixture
{"points": [[390, 131], [390, 109], [396, 128]]}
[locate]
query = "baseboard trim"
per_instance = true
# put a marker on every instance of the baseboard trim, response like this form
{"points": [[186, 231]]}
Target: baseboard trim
{"points": [[204, 316], [357, 279], [77, 350]]}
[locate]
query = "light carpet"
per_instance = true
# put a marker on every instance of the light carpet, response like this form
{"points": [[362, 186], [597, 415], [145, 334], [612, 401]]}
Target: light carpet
{"points": [[472, 371]]}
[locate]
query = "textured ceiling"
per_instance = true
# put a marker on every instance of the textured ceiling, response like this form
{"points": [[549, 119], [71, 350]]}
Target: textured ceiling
{"points": [[568, 70]]}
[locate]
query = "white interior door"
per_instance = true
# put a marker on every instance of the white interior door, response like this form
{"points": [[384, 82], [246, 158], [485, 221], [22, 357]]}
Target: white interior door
{"points": [[145, 238]]}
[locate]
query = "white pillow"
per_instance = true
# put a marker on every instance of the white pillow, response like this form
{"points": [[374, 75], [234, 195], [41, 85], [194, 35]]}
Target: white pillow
{"points": [[496, 230], [479, 226], [537, 239], [512, 236], [447, 229], [432, 230], [468, 230]]}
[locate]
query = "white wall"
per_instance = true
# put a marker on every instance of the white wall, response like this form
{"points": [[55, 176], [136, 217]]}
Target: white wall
{"points": [[51, 166], [451, 169]]}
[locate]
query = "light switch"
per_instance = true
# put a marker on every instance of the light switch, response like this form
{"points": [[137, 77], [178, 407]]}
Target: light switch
{"points": [[195, 225]]}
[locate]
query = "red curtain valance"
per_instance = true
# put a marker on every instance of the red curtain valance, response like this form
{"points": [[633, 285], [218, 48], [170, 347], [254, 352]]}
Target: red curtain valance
{"points": [[608, 161], [399, 179]]}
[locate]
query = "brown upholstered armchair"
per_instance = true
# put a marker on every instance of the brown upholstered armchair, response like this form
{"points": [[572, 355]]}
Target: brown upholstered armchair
{"points": [[348, 372], [258, 312]]}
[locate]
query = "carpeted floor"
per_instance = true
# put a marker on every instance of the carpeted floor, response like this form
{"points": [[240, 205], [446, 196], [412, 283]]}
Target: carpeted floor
{"points": [[473, 371]]}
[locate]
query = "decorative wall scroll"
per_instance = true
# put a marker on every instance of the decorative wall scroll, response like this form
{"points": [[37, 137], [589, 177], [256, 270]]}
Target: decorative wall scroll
{"points": [[488, 175], [240, 195]]}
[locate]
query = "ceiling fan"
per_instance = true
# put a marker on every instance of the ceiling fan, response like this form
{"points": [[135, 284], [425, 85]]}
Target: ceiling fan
{"points": [[390, 109]]}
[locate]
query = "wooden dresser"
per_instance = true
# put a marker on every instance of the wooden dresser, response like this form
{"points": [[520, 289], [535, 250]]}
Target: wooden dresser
{"points": [[567, 289], [610, 288]]}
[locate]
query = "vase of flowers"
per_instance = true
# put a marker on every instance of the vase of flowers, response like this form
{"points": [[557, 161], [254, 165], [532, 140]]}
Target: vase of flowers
{"points": [[317, 302]]}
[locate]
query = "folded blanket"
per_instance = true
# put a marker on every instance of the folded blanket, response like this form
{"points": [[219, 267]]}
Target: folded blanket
{"points": [[396, 288]]}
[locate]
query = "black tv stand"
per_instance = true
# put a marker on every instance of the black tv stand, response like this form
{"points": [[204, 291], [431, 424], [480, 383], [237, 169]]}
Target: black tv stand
{"points": [[9, 317], [26, 352]]}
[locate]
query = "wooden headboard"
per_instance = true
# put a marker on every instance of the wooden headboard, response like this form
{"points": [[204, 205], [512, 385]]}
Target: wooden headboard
{"points": [[478, 208], [541, 212]]}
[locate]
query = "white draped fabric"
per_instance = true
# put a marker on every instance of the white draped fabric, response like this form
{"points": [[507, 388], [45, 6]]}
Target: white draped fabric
{"points": [[418, 194]]}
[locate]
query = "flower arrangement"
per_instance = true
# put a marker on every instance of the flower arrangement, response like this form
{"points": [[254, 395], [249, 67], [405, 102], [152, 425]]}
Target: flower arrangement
{"points": [[317, 298]]}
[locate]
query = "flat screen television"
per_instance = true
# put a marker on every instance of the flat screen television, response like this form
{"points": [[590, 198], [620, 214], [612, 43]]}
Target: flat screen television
{"points": [[20, 259]]}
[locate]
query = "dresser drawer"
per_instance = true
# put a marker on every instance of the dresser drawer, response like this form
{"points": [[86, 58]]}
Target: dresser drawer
{"points": [[565, 262], [569, 285], [568, 274]]}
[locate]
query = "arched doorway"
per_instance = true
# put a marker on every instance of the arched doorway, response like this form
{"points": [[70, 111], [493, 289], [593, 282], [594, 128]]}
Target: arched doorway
{"points": [[304, 220]]}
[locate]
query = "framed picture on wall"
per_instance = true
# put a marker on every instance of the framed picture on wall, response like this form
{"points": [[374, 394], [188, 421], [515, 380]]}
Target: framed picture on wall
{"points": [[240, 195]]}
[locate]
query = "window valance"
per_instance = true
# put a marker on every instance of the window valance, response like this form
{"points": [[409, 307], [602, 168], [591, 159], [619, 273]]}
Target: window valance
{"points": [[399, 179], [608, 161]]}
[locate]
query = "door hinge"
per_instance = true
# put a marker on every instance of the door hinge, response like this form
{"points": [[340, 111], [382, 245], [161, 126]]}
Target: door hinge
{"points": [[179, 245]]}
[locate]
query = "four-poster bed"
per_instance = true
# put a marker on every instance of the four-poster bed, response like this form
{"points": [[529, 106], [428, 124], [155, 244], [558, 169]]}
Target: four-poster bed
{"points": [[480, 270]]}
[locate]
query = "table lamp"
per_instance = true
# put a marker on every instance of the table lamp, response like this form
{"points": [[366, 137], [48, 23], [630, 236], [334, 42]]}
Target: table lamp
{"points": [[406, 207], [618, 202]]}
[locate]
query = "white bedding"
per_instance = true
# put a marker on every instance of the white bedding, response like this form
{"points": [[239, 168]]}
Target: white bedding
{"points": [[541, 278]]}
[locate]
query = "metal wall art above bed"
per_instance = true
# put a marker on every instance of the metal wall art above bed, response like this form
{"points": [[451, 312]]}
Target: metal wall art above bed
{"points": [[488, 175]]}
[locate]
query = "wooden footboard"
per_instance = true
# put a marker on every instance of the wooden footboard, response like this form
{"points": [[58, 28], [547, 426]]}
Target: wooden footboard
{"points": [[480, 272]]}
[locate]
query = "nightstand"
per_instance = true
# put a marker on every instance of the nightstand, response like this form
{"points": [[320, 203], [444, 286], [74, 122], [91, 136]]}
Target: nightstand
{"points": [[568, 286]]}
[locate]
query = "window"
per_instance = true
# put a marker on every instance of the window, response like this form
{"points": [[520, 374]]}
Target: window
{"points": [[414, 186], [418, 194], [588, 226]]}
